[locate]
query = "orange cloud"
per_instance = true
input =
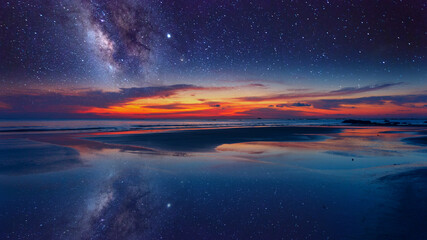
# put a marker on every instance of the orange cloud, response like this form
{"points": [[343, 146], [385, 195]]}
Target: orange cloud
{"points": [[190, 101]]}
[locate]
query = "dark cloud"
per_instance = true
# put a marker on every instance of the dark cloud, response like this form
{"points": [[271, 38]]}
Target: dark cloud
{"points": [[297, 104], [63, 103], [375, 100], [167, 106], [300, 104], [272, 113], [256, 85], [340, 92], [95, 98]]}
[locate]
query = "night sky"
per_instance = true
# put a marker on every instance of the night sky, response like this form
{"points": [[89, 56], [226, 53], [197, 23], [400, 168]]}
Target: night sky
{"points": [[289, 55]]}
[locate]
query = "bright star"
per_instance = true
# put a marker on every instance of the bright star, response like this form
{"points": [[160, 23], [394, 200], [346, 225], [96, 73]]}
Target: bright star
{"points": [[168, 35], [168, 205]]}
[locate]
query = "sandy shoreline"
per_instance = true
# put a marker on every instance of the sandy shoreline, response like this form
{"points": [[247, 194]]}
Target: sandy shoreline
{"points": [[207, 140]]}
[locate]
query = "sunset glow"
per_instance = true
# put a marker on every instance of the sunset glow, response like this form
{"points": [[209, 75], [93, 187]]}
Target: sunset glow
{"points": [[245, 101]]}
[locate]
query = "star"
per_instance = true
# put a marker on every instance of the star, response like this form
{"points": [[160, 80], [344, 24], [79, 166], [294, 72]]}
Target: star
{"points": [[168, 35]]}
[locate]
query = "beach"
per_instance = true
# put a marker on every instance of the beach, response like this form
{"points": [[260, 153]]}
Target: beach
{"points": [[212, 180]]}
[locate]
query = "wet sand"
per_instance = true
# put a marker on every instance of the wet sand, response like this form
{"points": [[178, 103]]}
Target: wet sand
{"points": [[417, 140], [207, 140], [224, 183]]}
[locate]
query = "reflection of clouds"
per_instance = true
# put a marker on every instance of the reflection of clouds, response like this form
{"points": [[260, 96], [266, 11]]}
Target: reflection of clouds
{"points": [[352, 142], [21, 156], [123, 208]]}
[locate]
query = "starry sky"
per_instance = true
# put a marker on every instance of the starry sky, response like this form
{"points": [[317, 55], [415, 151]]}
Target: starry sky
{"points": [[239, 58]]}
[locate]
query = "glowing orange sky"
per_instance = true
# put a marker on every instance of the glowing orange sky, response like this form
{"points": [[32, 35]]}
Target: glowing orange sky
{"points": [[233, 102], [239, 101]]}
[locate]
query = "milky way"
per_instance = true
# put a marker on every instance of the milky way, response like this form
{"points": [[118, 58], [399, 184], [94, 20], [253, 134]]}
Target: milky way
{"points": [[124, 36], [72, 56], [84, 43], [126, 43]]}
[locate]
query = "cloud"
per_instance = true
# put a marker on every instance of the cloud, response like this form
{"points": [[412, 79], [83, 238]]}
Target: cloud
{"points": [[272, 113], [340, 92], [167, 106], [256, 85], [183, 105], [68, 103], [298, 89], [354, 90], [375, 100], [297, 104], [86, 103]]}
